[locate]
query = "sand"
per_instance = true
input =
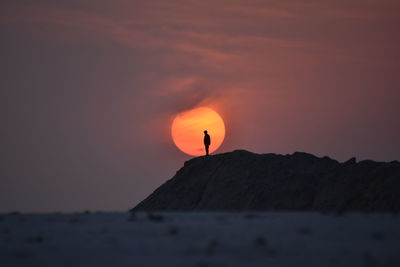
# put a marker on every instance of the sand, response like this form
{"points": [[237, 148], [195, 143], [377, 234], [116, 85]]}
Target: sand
{"points": [[200, 239]]}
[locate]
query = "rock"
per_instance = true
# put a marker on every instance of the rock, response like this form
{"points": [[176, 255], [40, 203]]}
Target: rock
{"points": [[241, 180], [351, 161]]}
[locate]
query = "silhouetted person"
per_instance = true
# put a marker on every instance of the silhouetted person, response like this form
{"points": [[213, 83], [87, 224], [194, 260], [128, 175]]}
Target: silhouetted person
{"points": [[207, 141]]}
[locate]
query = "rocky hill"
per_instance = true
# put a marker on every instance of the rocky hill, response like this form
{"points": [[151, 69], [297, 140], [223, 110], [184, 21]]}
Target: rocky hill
{"points": [[241, 180]]}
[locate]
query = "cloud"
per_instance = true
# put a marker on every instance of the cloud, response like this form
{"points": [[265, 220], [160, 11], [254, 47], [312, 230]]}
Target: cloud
{"points": [[200, 52], [203, 49]]}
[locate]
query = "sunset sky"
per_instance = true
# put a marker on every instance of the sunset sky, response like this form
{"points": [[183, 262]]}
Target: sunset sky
{"points": [[89, 89]]}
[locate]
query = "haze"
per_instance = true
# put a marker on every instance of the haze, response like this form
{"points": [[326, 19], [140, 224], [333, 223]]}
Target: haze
{"points": [[88, 89]]}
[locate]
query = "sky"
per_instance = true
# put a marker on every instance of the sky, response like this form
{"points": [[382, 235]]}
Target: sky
{"points": [[89, 89]]}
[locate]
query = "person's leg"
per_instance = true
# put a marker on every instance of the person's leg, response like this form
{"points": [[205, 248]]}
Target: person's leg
{"points": [[206, 150]]}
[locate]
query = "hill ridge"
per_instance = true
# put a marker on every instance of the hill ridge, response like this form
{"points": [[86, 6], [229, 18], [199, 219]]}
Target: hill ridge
{"points": [[243, 180]]}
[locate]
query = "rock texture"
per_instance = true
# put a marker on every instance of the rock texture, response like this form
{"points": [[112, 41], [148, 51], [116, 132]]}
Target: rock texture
{"points": [[241, 180]]}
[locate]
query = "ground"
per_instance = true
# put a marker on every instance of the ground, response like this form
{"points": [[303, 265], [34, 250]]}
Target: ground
{"points": [[199, 239]]}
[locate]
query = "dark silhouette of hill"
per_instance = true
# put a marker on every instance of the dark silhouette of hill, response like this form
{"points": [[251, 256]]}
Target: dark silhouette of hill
{"points": [[241, 180]]}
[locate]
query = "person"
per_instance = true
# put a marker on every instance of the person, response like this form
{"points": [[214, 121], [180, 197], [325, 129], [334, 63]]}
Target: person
{"points": [[207, 141]]}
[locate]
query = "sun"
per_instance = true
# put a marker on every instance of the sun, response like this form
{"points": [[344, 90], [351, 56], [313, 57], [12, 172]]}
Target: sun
{"points": [[188, 127]]}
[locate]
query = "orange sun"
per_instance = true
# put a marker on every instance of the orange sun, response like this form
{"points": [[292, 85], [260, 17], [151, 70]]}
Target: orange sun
{"points": [[188, 127]]}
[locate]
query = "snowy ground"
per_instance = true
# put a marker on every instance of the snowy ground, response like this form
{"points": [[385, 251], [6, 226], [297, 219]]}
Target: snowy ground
{"points": [[199, 239]]}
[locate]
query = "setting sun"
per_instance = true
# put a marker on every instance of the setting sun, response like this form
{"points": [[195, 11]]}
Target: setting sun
{"points": [[188, 127]]}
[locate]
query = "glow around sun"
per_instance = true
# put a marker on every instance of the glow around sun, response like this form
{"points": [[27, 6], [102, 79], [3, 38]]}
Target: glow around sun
{"points": [[188, 127]]}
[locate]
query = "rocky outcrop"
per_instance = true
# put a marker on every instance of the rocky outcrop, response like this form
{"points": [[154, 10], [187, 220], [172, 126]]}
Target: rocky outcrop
{"points": [[241, 180]]}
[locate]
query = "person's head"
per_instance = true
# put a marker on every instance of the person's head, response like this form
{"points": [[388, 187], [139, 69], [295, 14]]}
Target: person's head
{"points": [[205, 132]]}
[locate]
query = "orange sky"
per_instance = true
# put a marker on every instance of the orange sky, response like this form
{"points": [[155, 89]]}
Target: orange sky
{"points": [[90, 89]]}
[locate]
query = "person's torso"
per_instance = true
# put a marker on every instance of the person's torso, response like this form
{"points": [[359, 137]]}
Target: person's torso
{"points": [[207, 139]]}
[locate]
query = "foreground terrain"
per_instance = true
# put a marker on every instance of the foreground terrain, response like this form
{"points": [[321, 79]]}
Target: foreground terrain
{"points": [[200, 239]]}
